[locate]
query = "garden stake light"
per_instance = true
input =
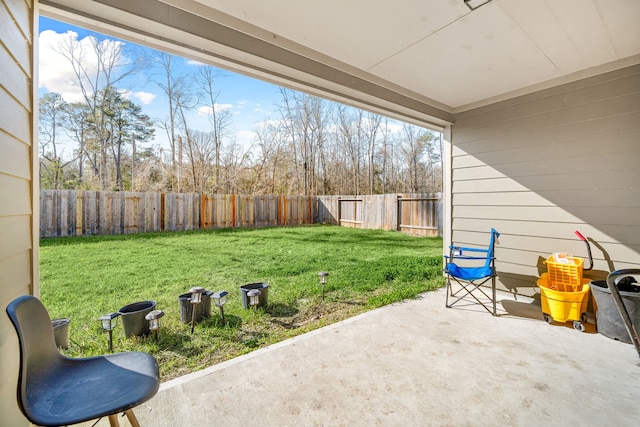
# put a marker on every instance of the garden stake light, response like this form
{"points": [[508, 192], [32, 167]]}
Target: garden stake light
{"points": [[219, 299], [323, 281], [254, 298], [154, 321], [109, 321], [196, 298]]}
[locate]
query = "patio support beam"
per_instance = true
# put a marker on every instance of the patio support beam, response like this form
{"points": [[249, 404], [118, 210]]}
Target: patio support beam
{"points": [[447, 193]]}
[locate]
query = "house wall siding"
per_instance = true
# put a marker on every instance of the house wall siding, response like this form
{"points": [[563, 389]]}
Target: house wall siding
{"points": [[540, 166], [18, 239]]}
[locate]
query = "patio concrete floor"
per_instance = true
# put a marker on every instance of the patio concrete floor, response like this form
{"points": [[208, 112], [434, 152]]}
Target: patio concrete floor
{"points": [[417, 363]]}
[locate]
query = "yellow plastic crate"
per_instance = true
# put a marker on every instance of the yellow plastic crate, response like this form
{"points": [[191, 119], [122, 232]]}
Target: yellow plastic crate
{"points": [[565, 277]]}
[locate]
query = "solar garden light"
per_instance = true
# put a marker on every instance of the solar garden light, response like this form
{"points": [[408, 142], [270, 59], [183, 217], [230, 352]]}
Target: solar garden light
{"points": [[323, 280], [219, 299], [109, 321], [154, 321], [196, 298], [254, 298]]}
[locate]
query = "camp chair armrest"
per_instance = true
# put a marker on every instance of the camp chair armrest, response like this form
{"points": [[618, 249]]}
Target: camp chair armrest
{"points": [[462, 248]]}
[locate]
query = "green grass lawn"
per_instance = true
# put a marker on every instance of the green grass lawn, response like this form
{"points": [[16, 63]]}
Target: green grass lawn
{"points": [[83, 278]]}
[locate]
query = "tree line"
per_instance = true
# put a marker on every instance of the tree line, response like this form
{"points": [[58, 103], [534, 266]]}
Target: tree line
{"points": [[315, 147]]}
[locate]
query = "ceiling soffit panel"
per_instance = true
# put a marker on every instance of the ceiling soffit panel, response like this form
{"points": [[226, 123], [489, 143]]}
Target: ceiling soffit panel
{"points": [[622, 22], [550, 37], [246, 49], [470, 60], [356, 32]]}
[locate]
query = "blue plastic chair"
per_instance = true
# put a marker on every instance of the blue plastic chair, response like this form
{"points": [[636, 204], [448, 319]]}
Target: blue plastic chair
{"points": [[56, 390], [471, 268]]}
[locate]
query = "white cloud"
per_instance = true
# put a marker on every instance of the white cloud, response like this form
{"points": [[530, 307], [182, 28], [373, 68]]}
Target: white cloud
{"points": [[205, 110], [56, 73], [144, 97], [269, 123], [194, 62], [221, 107], [395, 127], [245, 138]]}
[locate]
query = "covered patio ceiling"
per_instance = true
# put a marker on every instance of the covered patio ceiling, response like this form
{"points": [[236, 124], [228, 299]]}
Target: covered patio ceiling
{"points": [[418, 60]]}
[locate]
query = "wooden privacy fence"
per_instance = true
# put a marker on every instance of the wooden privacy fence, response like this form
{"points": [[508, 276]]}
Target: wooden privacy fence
{"points": [[418, 214], [78, 213]]}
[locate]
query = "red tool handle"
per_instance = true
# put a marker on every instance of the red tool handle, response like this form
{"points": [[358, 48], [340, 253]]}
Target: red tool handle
{"points": [[581, 237]]}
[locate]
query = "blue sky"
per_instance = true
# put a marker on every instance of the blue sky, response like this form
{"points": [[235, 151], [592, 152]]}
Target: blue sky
{"points": [[250, 101]]}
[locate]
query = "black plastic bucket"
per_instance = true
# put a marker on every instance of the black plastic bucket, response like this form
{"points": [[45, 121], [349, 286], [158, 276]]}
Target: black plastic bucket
{"points": [[264, 294], [133, 320], [608, 319], [61, 331], [203, 310]]}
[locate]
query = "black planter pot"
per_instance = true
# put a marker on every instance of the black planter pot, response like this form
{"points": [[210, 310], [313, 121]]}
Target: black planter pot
{"points": [[133, 320]]}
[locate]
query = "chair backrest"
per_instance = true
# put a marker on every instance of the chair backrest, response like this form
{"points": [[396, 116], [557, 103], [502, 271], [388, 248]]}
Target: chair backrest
{"points": [[491, 248], [38, 351]]}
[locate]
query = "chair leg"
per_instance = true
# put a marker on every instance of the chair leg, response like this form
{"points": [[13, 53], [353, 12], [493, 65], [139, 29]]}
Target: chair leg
{"points": [[493, 290], [132, 418], [113, 420], [446, 298], [468, 289]]}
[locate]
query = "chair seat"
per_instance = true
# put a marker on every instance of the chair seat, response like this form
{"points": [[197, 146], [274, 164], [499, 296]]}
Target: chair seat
{"points": [[122, 380], [469, 273]]}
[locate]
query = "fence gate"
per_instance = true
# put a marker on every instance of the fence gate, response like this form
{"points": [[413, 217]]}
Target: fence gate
{"points": [[419, 215], [350, 212]]}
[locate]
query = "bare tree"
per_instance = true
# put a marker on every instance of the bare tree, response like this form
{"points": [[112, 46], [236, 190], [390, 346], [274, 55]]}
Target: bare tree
{"points": [[201, 155], [179, 97], [220, 119], [184, 102], [386, 150], [350, 128], [269, 142], [53, 113], [287, 109], [98, 64], [371, 127], [412, 149], [234, 161], [77, 129]]}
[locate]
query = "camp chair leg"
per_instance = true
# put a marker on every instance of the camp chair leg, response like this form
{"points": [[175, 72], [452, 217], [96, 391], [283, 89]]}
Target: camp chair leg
{"points": [[468, 289], [132, 418], [493, 293]]}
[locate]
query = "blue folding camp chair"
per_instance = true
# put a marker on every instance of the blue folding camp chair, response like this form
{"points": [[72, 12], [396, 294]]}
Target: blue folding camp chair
{"points": [[471, 268]]}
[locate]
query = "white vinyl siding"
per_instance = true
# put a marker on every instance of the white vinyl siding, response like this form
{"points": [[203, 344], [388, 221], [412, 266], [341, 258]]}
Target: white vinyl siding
{"points": [[540, 166], [18, 184]]}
